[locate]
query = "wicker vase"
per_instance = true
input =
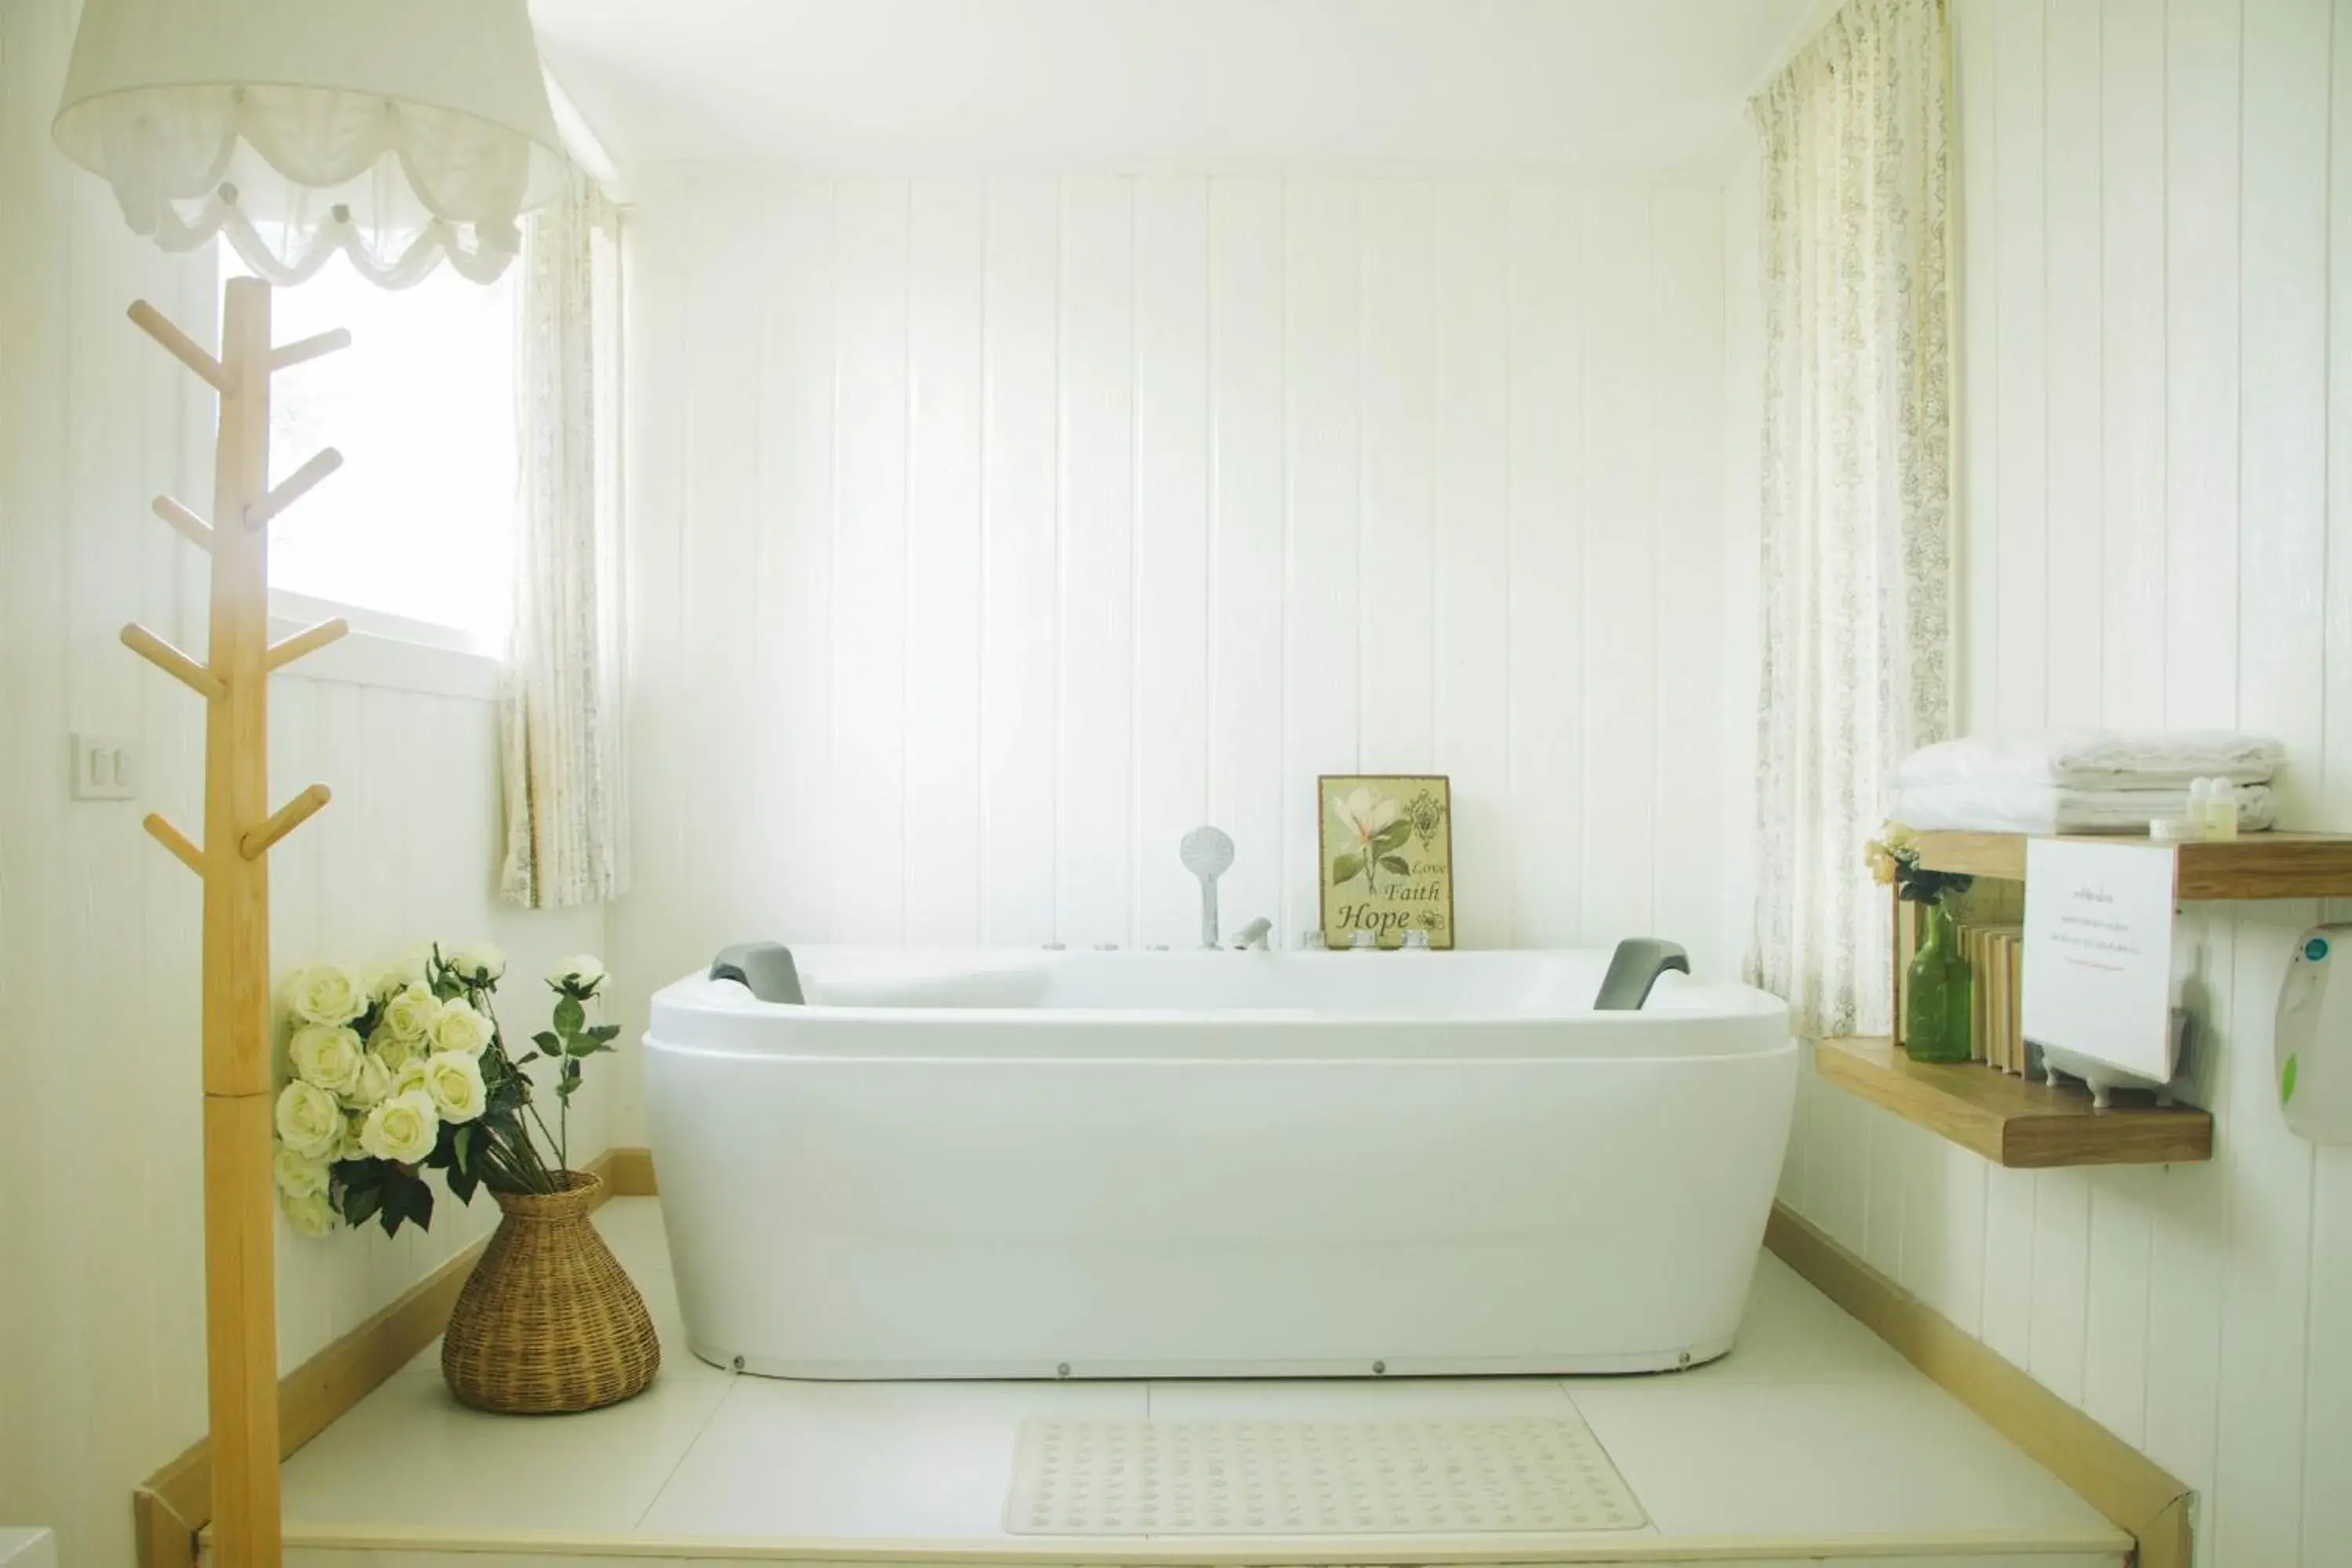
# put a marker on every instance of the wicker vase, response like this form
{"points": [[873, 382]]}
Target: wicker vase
{"points": [[548, 1322]]}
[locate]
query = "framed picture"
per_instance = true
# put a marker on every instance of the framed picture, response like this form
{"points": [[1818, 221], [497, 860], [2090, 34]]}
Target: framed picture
{"points": [[1387, 858]]}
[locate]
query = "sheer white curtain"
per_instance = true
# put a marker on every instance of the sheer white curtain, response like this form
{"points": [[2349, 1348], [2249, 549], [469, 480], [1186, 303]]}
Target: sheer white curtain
{"points": [[559, 718], [1856, 521]]}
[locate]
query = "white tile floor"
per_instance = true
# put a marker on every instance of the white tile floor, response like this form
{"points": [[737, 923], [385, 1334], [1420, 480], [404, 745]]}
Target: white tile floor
{"points": [[1812, 1437]]}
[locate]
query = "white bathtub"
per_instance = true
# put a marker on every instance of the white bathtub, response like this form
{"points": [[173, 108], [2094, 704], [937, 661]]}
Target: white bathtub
{"points": [[1097, 1164]]}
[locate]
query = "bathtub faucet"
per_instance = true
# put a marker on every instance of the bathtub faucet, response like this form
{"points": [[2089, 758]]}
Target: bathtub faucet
{"points": [[1208, 853]]}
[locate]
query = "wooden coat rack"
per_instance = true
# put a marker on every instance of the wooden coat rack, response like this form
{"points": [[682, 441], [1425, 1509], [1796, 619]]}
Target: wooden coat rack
{"points": [[240, 1282]]}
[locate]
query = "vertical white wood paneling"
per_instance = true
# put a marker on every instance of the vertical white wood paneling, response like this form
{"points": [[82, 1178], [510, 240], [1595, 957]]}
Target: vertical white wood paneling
{"points": [[1172, 548], [947, 233], [1020, 575], [2202, 303], [1548, 674], [2132, 361], [1322, 566], [2019, 365], [1094, 707], [2074, 547], [869, 561], [1472, 566], [1247, 640], [1034, 521], [795, 645], [1396, 572], [717, 562], [1688, 704], [1619, 509]]}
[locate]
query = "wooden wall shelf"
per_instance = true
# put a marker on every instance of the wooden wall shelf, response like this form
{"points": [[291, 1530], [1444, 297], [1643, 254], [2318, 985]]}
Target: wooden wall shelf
{"points": [[2013, 1121], [2273, 865]]}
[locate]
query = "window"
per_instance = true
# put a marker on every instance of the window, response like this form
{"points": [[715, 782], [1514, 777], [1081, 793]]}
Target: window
{"points": [[419, 522]]}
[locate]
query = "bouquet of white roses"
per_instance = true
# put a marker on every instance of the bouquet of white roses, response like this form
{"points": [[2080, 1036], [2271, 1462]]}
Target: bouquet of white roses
{"points": [[409, 1072]]}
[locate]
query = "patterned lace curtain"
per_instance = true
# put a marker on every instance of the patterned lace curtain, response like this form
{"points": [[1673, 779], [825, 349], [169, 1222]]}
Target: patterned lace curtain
{"points": [[560, 715], [1856, 515]]}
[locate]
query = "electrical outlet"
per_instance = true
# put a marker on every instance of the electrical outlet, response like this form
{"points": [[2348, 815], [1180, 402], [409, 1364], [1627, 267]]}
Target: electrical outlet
{"points": [[102, 768]]}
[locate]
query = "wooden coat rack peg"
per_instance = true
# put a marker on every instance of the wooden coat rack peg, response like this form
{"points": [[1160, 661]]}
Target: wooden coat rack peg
{"points": [[240, 1283]]}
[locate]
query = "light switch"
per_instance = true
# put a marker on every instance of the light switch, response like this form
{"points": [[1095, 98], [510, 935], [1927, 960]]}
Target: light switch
{"points": [[102, 768]]}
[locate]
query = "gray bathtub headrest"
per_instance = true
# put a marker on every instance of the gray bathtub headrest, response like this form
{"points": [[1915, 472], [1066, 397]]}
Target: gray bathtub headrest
{"points": [[1633, 969], [765, 968]]}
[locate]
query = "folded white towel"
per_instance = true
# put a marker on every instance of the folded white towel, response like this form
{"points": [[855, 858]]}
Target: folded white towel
{"points": [[2097, 758], [2052, 809]]}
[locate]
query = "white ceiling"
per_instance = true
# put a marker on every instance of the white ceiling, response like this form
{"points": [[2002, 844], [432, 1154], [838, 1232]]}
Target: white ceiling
{"points": [[1140, 84]]}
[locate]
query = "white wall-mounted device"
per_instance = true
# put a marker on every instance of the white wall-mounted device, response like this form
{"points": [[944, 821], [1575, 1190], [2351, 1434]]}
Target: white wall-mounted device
{"points": [[2313, 1036]]}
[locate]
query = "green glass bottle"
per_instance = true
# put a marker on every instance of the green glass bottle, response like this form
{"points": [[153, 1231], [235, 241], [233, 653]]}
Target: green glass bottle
{"points": [[1935, 1012]]}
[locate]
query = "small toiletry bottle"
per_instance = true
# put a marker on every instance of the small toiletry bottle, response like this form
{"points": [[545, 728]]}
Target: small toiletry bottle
{"points": [[2201, 808], [2221, 804]]}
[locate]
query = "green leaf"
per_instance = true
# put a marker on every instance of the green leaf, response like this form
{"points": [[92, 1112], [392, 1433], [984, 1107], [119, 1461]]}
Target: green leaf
{"points": [[569, 1018], [1347, 868], [546, 1041], [1395, 863], [1392, 836], [603, 1032], [2287, 1079]]}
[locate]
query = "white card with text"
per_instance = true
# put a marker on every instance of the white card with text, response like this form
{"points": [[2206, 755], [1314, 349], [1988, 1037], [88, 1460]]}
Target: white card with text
{"points": [[2098, 951]]}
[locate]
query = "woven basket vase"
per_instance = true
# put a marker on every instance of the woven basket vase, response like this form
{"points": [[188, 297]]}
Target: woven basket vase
{"points": [[548, 1322]]}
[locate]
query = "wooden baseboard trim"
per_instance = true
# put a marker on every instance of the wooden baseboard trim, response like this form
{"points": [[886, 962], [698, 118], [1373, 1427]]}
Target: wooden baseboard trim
{"points": [[629, 1173], [170, 1507], [2135, 1493]]}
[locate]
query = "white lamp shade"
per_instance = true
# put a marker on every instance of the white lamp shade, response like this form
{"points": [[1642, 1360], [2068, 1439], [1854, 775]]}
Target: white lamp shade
{"points": [[400, 132]]}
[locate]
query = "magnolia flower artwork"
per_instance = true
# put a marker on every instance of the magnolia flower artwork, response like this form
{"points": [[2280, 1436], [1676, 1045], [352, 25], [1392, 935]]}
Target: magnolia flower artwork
{"points": [[406, 1071], [1387, 859]]}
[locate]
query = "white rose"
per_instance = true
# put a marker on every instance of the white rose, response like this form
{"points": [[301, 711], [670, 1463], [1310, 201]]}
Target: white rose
{"points": [[401, 1128], [309, 1212], [298, 1175], [453, 1080], [407, 969], [460, 1028], [308, 1119], [583, 972], [326, 1054], [410, 1078], [409, 1011], [478, 962], [370, 1084], [347, 1142], [325, 993], [393, 1051]]}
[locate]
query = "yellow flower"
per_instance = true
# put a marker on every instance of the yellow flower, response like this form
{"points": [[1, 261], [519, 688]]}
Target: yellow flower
{"points": [[1881, 861]]}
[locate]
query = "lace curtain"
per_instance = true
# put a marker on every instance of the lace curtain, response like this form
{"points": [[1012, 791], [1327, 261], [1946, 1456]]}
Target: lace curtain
{"points": [[1856, 505], [560, 715]]}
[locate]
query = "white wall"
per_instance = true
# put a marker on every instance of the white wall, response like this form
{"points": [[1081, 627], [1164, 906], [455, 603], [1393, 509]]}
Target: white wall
{"points": [[101, 1359], [2156, 333], [986, 535]]}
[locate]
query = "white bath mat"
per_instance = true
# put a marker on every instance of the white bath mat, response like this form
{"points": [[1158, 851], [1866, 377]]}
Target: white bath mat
{"points": [[1313, 1478]]}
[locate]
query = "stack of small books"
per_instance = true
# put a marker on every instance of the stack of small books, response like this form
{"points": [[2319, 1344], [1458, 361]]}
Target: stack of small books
{"points": [[1996, 1036]]}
